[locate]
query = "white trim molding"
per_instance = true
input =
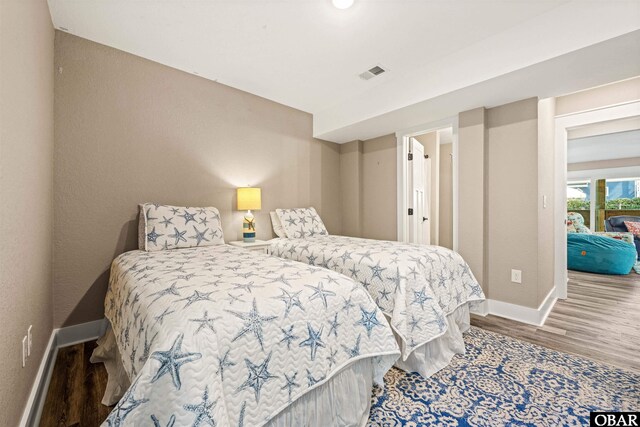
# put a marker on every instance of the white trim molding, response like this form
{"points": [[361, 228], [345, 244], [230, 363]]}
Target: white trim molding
{"points": [[480, 308], [62, 337], [35, 402], [519, 313], [547, 305], [80, 333], [455, 170]]}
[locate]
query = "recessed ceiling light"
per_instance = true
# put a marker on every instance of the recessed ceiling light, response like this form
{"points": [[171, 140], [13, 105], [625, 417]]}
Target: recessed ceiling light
{"points": [[342, 4]]}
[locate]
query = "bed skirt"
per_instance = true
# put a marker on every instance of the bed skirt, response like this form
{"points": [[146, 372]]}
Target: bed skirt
{"points": [[345, 400], [437, 353]]}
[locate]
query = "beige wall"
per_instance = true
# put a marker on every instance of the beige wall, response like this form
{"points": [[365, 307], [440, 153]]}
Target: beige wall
{"points": [[26, 212], [368, 185], [432, 149], [323, 188], [379, 188], [350, 186], [512, 210], [471, 191], [505, 157], [130, 130], [445, 217], [599, 97], [368, 171]]}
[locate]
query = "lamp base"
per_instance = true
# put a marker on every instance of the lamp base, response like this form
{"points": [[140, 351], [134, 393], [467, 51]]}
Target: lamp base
{"points": [[249, 228]]}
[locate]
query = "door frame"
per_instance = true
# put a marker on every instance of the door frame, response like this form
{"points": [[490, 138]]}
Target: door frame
{"points": [[402, 152], [563, 124]]}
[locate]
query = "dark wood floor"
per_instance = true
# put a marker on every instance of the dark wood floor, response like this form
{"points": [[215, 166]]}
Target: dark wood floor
{"points": [[599, 320], [76, 389]]}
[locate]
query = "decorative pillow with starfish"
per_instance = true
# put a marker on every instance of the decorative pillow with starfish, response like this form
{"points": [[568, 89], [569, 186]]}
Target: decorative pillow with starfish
{"points": [[301, 222], [165, 227]]}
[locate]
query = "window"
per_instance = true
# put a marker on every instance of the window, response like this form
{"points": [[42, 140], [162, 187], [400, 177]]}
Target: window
{"points": [[623, 194], [578, 195]]}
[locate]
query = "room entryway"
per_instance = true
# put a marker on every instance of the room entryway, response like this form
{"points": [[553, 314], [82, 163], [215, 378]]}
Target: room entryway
{"points": [[603, 197], [426, 168], [597, 189]]}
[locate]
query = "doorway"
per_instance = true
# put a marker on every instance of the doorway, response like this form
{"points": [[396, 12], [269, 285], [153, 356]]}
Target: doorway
{"points": [[566, 125], [427, 184]]}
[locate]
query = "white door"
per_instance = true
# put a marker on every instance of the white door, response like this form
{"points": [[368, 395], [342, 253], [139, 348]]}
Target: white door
{"points": [[419, 226]]}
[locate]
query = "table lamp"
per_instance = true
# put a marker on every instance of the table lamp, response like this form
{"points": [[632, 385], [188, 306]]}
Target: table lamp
{"points": [[249, 198]]}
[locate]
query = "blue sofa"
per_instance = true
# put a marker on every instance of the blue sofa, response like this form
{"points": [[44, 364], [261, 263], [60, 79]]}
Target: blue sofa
{"points": [[616, 223]]}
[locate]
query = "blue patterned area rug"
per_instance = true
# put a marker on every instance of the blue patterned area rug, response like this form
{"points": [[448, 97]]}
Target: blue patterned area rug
{"points": [[501, 381]]}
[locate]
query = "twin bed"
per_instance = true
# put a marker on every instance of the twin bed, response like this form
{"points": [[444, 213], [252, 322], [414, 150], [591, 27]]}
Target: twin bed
{"points": [[425, 291], [207, 334]]}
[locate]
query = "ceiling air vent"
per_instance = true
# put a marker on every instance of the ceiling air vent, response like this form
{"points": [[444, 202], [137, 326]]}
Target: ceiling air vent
{"points": [[372, 72]]}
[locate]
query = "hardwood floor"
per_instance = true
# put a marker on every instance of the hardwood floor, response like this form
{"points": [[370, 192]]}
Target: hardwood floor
{"points": [[599, 320], [76, 389]]}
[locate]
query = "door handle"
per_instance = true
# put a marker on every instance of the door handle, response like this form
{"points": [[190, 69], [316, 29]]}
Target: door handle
{"points": [[424, 218]]}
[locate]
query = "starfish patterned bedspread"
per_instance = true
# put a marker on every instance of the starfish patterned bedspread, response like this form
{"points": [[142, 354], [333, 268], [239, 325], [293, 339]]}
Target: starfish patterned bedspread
{"points": [[221, 336], [416, 286]]}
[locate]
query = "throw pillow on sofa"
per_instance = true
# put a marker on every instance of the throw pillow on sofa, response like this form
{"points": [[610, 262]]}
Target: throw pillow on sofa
{"points": [[577, 221], [633, 227]]}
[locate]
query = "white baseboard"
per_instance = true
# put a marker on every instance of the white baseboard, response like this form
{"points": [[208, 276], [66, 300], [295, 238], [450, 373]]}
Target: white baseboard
{"points": [[40, 384], [480, 308], [80, 333], [515, 312], [519, 313], [547, 305], [59, 338]]}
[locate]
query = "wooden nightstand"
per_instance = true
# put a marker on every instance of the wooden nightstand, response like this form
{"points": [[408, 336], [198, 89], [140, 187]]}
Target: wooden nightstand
{"points": [[257, 246]]}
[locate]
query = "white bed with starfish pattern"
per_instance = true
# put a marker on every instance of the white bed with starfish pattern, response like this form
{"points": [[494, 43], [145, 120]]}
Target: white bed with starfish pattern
{"points": [[219, 336], [425, 291]]}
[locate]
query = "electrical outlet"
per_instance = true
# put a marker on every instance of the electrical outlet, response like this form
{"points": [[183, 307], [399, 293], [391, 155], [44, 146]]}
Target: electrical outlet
{"points": [[516, 276], [29, 339], [24, 351]]}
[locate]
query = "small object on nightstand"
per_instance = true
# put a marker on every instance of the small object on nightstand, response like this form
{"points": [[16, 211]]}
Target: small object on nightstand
{"points": [[257, 246], [249, 198]]}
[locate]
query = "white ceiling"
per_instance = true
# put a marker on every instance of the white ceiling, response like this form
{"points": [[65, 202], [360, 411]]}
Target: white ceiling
{"points": [[308, 54], [620, 145]]}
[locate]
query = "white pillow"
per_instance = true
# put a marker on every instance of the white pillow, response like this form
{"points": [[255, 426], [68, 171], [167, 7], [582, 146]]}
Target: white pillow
{"points": [[301, 222], [172, 227], [277, 226]]}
